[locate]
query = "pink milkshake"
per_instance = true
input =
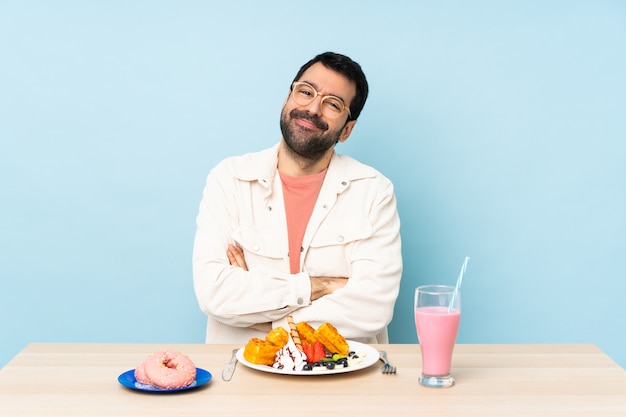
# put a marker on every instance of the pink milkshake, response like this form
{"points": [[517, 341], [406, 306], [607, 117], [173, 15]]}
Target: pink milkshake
{"points": [[437, 316], [436, 330]]}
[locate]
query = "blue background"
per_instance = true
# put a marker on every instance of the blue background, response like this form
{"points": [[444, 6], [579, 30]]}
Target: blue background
{"points": [[501, 124]]}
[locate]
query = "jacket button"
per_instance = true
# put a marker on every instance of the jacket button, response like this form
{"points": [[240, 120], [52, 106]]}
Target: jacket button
{"points": [[256, 248], [340, 238], [300, 300]]}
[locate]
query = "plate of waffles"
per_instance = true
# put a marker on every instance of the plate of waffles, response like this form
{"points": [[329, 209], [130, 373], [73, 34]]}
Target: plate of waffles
{"points": [[361, 356]]}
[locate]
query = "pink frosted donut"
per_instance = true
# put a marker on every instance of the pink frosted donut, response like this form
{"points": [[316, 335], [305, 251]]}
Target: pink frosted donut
{"points": [[140, 374], [170, 369]]}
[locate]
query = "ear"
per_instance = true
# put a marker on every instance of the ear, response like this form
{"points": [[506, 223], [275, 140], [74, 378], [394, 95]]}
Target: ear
{"points": [[347, 129]]}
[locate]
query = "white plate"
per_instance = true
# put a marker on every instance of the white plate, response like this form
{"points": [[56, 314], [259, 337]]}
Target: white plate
{"points": [[366, 352]]}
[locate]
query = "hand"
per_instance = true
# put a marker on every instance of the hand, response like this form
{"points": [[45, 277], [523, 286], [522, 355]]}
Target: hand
{"points": [[264, 327], [235, 256], [321, 286]]}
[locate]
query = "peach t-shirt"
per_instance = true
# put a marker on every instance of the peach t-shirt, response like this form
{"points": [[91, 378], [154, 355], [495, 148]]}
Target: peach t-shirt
{"points": [[300, 194]]}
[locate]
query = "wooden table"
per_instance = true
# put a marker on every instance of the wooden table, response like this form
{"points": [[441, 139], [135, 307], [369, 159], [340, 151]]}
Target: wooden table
{"points": [[491, 380]]}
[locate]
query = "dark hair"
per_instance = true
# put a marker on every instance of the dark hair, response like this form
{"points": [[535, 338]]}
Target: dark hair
{"points": [[348, 68]]}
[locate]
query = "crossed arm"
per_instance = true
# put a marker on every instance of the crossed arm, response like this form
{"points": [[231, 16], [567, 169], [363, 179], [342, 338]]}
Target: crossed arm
{"points": [[320, 286]]}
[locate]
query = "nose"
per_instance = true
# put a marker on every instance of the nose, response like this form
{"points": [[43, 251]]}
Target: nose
{"points": [[315, 107]]}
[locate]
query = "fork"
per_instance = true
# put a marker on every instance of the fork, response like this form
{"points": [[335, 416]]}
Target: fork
{"points": [[387, 368]]}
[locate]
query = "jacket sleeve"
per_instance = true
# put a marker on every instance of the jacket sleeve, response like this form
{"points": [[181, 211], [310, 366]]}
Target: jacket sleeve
{"points": [[227, 293], [364, 307]]}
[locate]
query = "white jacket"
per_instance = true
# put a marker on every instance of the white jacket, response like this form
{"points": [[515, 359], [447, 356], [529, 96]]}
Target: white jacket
{"points": [[354, 232]]}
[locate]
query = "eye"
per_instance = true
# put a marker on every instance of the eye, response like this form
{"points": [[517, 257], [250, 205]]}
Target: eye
{"points": [[305, 90], [334, 104]]}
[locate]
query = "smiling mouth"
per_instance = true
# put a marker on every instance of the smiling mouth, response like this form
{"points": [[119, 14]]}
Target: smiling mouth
{"points": [[306, 121], [307, 124]]}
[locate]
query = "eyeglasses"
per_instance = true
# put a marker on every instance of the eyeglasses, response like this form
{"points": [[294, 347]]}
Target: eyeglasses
{"points": [[304, 93]]}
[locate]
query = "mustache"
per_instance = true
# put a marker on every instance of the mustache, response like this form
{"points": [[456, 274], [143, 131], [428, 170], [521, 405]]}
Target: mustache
{"points": [[300, 114]]}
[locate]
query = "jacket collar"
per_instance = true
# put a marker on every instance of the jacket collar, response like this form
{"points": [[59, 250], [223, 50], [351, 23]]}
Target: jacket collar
{"points": [[262, 167]]}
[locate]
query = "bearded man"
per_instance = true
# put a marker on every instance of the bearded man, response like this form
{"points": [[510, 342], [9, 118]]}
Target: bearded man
{"points": [[299, 229]]}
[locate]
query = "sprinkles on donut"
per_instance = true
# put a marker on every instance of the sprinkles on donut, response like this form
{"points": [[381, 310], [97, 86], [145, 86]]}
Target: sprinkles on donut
{"points": [[166, 369]]}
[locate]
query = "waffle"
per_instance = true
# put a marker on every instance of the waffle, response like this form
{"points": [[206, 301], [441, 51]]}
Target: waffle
{"points": [[278, 336], [261, 351], [331, 339], [306, 332]]}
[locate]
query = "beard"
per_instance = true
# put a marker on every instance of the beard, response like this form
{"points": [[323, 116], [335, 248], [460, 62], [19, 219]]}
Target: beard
{"points": [[303, 142]]}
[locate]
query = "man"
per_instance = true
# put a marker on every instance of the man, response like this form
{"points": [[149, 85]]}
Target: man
{"points": [[298, 229]]}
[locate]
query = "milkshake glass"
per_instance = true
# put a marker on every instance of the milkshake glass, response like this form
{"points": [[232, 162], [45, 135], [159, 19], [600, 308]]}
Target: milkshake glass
{"points": [[437, 325]]}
